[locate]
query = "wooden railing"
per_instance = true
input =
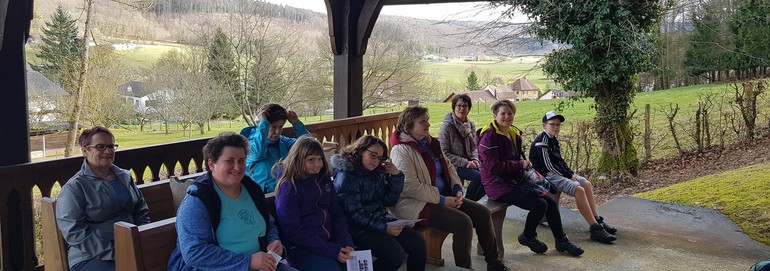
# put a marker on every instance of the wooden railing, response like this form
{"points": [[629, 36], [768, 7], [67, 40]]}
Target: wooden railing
{"points": [[17, 208]]}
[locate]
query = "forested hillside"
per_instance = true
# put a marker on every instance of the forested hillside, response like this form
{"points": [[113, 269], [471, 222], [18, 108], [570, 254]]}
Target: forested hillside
{"points": [[184, 21]]}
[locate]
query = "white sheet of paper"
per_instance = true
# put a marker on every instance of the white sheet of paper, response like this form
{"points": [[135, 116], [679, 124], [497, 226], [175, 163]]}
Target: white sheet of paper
{"points": [[360, 260], [404, 222], [275, 256]]}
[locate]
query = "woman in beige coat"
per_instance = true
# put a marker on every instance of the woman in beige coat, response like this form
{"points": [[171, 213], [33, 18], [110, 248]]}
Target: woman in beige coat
{"points": [[432, 190]]}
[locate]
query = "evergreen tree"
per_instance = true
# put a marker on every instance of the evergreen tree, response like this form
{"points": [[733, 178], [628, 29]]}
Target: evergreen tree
{"points": [[750, 26], [61, 50], [710, 46], [221, 66], [473, 81]]}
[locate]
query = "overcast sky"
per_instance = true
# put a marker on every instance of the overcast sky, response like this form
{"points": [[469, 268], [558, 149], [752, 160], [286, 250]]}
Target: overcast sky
{"points": [[455, 11]]}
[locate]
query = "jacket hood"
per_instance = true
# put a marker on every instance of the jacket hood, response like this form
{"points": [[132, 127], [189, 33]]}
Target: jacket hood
{"points": [[340, 163]]}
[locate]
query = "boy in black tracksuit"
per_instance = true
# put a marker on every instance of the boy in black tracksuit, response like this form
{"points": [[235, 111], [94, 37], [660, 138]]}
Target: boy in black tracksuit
{"points": [[545, 155]]}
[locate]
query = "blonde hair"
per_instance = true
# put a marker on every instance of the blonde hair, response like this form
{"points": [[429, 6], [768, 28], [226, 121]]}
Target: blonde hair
{"points": [[294, 164]]}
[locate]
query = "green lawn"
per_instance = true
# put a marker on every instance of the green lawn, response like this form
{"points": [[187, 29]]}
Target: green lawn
{"points": [[509, 71], [740, 194]]}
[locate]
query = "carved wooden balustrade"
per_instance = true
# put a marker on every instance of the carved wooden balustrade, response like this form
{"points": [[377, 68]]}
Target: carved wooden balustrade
{"points": [[17, 208]]}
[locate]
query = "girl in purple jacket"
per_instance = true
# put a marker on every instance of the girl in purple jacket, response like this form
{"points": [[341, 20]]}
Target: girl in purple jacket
{"points": [[311, 222]]}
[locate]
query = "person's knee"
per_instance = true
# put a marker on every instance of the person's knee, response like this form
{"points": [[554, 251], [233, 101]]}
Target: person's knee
{"points": [[587, 184], [579, 191]]}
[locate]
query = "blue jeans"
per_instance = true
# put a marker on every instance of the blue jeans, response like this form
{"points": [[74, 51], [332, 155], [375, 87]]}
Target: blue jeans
{"points": [[94, 264], [475, 189], [318, 262]]}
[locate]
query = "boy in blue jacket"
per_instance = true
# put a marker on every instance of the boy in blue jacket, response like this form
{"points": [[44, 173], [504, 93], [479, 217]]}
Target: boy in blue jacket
{"points": [[267, 145]]}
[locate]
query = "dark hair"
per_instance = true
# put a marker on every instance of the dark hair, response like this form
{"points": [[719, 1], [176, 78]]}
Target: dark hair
{"points": [[215, 145], [274, 112], [407, 117], [354, 152], [496, 106], [464, 97], [87, 134]]}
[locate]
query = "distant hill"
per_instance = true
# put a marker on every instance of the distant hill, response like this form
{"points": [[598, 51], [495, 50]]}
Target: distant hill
{"points": [[181, 20]]}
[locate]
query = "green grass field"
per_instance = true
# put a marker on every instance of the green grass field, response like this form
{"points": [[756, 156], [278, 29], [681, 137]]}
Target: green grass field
{"points": [[739, 194], [509, 71]]}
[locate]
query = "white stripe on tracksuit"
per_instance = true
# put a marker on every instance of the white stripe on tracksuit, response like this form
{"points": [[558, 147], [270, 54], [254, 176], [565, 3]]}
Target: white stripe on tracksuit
{"points": [[547, 158]]}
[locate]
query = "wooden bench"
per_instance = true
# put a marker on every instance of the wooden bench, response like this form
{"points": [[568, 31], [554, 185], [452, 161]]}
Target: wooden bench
{"points": [[160, 198], [146, 247], [434, 238], [54, 246]]}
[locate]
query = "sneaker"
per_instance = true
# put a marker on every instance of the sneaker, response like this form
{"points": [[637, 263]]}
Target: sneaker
{"points": [[608, 228], [535, 245], [600, 235], [564, 245]]}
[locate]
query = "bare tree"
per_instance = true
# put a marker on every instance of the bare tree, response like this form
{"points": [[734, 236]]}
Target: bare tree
{"points": [[186, 92], [102, 105], [746, 101]]}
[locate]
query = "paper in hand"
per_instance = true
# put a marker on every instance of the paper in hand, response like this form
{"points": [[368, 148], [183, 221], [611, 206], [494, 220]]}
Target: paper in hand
{"points": [[275, 256], [360, 260], [404, 222]]}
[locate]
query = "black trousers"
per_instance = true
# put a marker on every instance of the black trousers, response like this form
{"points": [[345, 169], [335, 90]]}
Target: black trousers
{"points": [[390, 251], [538, 207]]}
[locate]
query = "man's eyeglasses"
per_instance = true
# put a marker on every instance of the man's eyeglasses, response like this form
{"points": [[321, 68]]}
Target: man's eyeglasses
{"points": [[376, 156], [103, 147]]}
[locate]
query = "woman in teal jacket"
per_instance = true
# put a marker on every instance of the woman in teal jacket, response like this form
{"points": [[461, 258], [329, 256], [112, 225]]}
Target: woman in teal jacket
{"points": [[268, 145]]}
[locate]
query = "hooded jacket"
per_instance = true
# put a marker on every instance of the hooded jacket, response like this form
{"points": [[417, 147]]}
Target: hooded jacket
{"points": [[500, 157], [86, 211], [197, 222], [310, 219], [457, 147], [366, 194], [419, 172], [263, 153]]}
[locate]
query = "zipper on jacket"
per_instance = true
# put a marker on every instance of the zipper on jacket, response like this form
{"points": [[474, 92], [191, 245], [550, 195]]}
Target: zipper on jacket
{"points": [[323, 223]]}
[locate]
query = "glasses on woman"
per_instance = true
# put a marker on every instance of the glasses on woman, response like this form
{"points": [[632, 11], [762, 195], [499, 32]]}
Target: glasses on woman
{"points": [[376, 156], [103, 147]]}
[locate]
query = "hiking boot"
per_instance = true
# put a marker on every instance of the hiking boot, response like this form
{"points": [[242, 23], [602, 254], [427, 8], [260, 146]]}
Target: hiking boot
{"points": [[498, 268], [608, 228], [564, 245], [600, 235], [535, 245]]}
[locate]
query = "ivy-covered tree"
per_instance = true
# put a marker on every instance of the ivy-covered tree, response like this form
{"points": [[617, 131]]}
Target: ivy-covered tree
{"points": [[609, 42], [472, 83], [61, 50]]}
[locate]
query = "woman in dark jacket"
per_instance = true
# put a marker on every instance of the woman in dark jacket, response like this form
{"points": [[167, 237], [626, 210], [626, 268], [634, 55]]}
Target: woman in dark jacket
{"points": [[367, 183], [504, 169]]}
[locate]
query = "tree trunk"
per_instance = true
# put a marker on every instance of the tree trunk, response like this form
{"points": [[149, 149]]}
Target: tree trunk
{"points": [[618, 152], [74, 116]]}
